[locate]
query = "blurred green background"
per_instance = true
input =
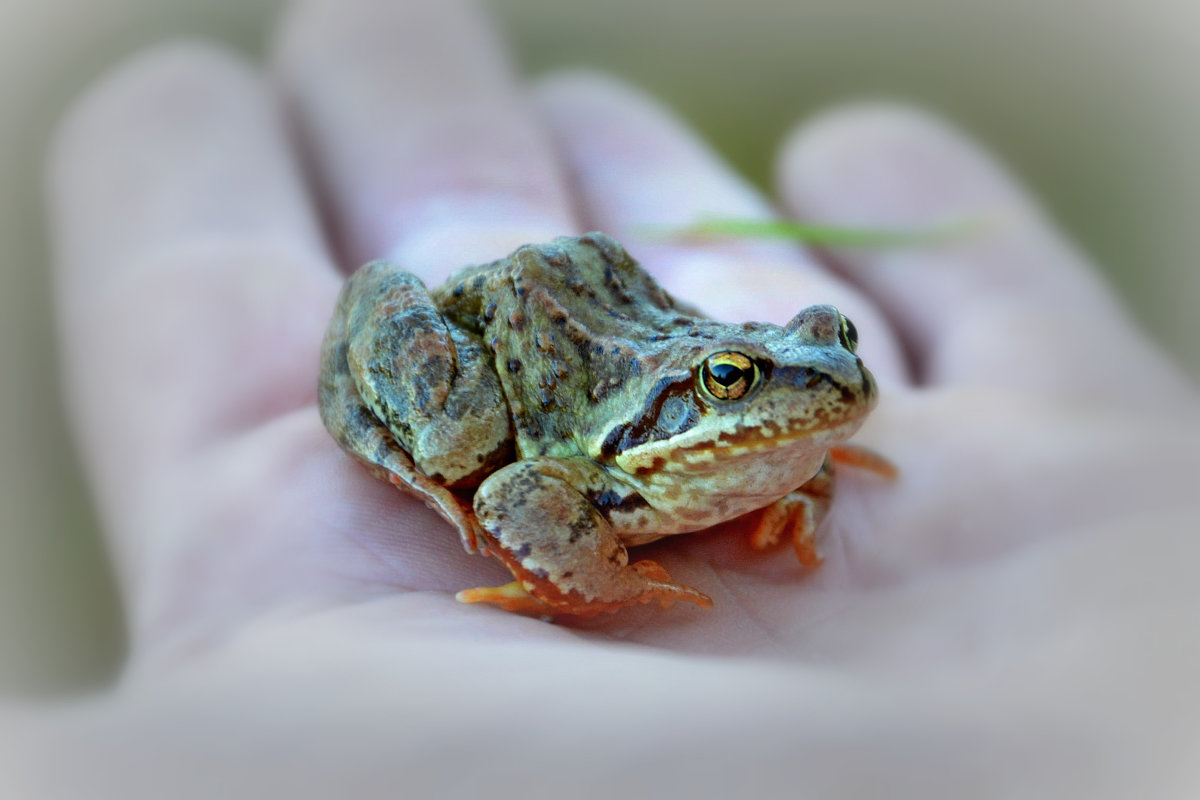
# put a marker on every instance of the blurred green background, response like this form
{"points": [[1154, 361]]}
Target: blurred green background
{"points": [[1094, 104]]}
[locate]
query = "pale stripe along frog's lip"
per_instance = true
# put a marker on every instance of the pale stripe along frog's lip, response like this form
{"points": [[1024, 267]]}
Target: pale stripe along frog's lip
{"points": [[747, 436]]}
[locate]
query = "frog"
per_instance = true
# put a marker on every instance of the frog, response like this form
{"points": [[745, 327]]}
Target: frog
{"points": [[559, 408]]}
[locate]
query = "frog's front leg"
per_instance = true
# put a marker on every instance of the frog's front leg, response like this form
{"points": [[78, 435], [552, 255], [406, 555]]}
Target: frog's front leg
{"points": [[797, 516], [539, 519]]}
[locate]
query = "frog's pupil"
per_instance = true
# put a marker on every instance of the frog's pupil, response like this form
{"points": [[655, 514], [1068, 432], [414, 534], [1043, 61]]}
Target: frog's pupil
{"points": [[726, 374]]}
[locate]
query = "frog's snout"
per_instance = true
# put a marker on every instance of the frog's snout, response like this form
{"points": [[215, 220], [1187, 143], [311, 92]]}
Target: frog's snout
{"points": [[842, 378]]}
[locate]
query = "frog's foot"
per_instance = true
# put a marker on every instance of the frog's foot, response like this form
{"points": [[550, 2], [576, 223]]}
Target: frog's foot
{"points": [[796, 517], [660, 587], [538, 517], [791, 517], [510, 597], [515, 596]]}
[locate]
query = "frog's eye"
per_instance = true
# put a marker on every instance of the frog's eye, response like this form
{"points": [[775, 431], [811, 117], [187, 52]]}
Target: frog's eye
{"points": [[847, 334], [728, 376]]}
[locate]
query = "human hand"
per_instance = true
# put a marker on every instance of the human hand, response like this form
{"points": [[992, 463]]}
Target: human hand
{"points": [[277, 592]]}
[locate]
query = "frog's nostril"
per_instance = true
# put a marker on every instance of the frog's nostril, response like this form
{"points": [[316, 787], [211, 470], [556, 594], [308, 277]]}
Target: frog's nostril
{"points": [[808, 378]]}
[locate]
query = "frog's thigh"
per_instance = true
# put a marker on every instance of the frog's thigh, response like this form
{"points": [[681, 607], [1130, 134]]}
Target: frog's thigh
{"points": [[557, 544], [431, 383], [360, 432], [797, 516]]}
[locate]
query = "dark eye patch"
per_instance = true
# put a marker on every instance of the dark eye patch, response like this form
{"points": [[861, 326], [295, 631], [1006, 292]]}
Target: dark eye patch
{"points": [[670, 409]]}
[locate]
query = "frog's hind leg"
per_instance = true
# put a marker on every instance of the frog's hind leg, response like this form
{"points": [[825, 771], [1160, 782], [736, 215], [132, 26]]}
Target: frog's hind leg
{"points": [[538, 519], [433, 384], [357, 427]]}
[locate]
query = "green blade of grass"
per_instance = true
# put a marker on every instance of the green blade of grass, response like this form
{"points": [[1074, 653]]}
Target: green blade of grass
{"points": [[821, 235]]}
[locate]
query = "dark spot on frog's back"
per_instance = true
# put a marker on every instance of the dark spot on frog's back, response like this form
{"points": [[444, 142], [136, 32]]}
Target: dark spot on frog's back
{"points": [[605, 246], [531, 428], [610, 276], [421, 394], [557, 257], [616, 286]]}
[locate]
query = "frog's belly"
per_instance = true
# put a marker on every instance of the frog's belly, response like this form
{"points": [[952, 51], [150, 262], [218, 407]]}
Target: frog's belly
{"points": [[686, 518]]}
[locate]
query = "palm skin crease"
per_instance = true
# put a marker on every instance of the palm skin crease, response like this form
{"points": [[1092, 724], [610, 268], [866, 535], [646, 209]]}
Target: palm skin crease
{"points": [[998, 619]]}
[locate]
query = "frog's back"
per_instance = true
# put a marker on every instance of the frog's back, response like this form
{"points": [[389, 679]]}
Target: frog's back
{"points": [[589, 278], [569, 322]]}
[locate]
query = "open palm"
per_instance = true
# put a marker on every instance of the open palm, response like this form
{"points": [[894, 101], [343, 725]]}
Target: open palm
{"points": [[293, 621]]}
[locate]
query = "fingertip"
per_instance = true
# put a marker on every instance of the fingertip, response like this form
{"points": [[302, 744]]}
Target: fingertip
{"points": [[972, 307], [583, 89], [633, 162], [890, 164], [418, 133], [311, 31], [610, 127], [147, 122], [181, 82]]}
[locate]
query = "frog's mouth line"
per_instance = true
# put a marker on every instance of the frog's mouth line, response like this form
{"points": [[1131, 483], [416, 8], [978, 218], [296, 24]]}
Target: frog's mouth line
{"points": [[747, 437], [711, 454]]}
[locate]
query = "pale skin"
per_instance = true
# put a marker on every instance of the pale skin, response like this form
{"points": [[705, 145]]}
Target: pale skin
{"points": [[1017, 610]]}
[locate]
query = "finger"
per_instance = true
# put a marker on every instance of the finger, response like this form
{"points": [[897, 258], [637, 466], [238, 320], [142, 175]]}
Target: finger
{"points": [[1010, 303], [192, 279], [418, 133], [639, 171]]}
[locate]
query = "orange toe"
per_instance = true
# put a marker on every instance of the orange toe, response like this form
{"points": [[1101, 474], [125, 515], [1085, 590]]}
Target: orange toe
{"points": [[510, 597]]}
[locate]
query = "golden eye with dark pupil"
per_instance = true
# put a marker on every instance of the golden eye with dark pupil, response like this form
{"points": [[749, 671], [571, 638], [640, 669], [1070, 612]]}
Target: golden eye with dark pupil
{"points": [[728, 376], [848, 334]]}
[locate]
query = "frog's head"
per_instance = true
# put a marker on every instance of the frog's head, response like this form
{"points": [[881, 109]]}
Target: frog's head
{"points": [[750, 409]]}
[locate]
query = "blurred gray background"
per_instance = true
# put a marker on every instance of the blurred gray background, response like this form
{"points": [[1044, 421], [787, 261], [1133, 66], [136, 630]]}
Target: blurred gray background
{"points": [[1094, 104]]}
